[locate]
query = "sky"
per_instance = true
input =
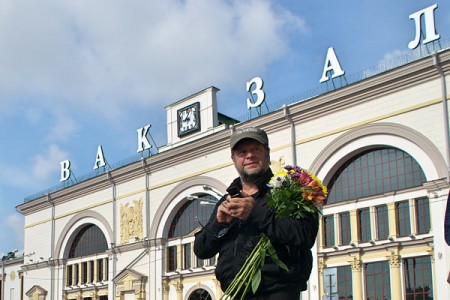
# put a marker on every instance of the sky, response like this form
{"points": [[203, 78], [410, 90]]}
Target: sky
{"points": [[78, 74]]}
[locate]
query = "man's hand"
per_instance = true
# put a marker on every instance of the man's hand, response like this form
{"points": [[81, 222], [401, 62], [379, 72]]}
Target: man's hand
{"points": [[238, 207]]}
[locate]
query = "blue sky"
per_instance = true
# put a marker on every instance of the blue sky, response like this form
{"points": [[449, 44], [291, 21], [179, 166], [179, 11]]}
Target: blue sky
{"points": [[78, 74]]}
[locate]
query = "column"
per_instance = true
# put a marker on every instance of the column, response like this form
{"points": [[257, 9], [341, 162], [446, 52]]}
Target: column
{"points": [[94, 295], [433, 267], [354, 226], [105, 269], [337, 230], [396, 283], [95, 271], [321, 266], [82, 266], [412, 216], [88, 272], [320, 234], [392, 216], [218, 288], [179, 254], [166, 290], [373, 223], [66, 275], [80, 273], [179, 287], [74, 274], [356, 264]]}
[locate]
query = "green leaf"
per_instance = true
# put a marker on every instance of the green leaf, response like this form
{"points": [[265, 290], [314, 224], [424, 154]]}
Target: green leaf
{"points": [[262, 254], [256, 280]]}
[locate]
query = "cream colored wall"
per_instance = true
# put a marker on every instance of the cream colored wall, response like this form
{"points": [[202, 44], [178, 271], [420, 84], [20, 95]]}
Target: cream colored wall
{"points": [[417, 106]]}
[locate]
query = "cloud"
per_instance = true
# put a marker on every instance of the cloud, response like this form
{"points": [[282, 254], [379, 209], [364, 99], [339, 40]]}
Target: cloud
{"points": [[13, 232], [62, 128], [393, 55], [15, 223], [43, 165], [101, 56]]}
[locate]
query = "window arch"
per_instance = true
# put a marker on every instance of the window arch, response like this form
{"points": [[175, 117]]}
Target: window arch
{"points": [[200, 294], [89, 240], [373, 172], [191, 215]]}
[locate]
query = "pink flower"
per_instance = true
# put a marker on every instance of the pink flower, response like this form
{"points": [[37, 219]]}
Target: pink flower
{"points": [[304, 178]]}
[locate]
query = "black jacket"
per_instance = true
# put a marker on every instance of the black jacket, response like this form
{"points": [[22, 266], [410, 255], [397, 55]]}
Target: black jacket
{"points": [[291, 238]]}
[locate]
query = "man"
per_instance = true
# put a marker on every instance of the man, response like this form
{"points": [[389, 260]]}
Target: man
{"points": [[238, 221]]}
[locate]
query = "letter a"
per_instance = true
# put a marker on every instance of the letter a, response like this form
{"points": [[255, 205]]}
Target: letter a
{"points": [[143, 143], [100, 158], [331, 64], [65, 170], [430, 29]]}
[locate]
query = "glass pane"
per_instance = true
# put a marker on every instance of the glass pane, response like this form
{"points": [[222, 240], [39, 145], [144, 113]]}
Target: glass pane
{"points": [[382, 222], [190, 214], [377, 281], [373, 172], [187, 256], [90, 240], [364, 225], [423, 215], [344, 283], [403, 219], [171, 259], [418, 281], [328, 227], [345, 229]]}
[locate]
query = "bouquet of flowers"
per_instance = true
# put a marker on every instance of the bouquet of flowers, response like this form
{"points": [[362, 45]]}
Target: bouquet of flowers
{"points": [[295, 192]]}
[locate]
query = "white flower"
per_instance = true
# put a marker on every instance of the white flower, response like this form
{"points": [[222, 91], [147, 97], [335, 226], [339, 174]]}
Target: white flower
{"points": [[277, 181]]}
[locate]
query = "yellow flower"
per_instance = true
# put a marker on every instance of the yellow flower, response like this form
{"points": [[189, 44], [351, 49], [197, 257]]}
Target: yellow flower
{"points": [[314, 178]]}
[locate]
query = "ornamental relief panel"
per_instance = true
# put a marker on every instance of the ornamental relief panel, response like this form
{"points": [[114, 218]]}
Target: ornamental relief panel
{"points": [[277, 165], [131, 228]]}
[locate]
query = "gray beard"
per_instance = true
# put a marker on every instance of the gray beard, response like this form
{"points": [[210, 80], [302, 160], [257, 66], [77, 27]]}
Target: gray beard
{"points": [[253, 176]]}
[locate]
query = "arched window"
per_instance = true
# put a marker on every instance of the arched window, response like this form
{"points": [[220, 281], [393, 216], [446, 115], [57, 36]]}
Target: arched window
{"points": [[374, 172], [200, 294], [89, 240], [191, 215]]}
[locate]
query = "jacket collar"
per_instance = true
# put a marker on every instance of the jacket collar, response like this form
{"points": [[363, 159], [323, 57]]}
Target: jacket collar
{"points": [[261, 182]]}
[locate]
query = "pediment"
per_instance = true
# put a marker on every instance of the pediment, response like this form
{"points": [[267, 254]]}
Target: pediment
{"points": [[36, 290]]}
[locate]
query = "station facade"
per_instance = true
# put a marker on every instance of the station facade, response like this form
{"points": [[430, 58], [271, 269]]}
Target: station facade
{"points": [[379, 144]]}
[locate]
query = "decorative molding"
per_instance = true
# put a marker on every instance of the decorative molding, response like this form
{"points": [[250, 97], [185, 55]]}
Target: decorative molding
{"points": [[63, 239], [378, 129], [356, 264], [157, 220], [131, 226], [36, 292]]}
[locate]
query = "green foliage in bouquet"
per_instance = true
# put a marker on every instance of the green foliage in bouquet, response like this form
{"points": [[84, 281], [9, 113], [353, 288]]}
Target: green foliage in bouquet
{"points": [[295, 193]]}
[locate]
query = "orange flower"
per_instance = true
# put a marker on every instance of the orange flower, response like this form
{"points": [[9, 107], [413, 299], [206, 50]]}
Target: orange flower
{"points": [[308, 195], [314, 185], [320, 199]]}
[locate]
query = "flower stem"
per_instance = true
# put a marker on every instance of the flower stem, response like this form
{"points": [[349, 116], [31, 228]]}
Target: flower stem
{"points": [[245, 275]]}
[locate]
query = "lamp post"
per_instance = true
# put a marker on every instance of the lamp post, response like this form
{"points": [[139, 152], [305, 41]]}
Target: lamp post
{"points": [[4, 259], [203, 201]]}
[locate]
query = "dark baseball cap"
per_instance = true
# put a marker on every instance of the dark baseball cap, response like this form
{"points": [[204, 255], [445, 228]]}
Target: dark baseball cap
{"points": [[248, 133]]}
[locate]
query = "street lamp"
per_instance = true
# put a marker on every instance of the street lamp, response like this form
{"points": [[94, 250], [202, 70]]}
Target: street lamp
{"points": [[211, 189], [4, 259], [203, 201]]}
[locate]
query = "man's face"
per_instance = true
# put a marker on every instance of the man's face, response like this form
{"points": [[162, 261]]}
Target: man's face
{"points": [[250, 159]]}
